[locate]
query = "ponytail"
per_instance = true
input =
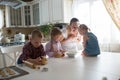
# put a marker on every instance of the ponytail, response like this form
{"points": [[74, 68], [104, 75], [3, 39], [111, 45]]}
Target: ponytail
{"points": [[84, 27]]}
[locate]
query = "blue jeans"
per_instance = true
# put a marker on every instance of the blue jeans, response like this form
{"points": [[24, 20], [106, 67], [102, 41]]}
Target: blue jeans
{"points": [[19, 61]]}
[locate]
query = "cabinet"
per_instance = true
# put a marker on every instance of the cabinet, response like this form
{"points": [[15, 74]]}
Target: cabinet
{"points": [[67, 11], [57, 10], [36, 14], [40, 12], [61, 10], [14, 17], [45, 11], [18, 17], [27, 15]]}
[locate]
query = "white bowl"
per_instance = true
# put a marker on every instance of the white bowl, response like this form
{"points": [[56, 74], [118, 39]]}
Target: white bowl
{"points": [[71, 54]]}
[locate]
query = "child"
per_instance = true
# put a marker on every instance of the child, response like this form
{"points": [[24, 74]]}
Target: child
{"points": [[90, 42], [33, 50], [53, 47], [73, 38]]}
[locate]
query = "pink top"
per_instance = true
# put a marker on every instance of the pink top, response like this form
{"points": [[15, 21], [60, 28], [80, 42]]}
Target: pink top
{"points": [[56, 45]]}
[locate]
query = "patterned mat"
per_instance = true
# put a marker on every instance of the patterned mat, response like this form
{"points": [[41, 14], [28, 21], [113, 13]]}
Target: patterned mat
{"points": [[18, 72]]}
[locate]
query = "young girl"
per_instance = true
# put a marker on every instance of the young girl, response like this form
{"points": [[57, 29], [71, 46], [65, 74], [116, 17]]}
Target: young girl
{"points": [[90, 42], [53, 47]]}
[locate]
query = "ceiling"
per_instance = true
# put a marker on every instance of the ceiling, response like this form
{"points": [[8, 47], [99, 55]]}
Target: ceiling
{"points": [[14, 3]]}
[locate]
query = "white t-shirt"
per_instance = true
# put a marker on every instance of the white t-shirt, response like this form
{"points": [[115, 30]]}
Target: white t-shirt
{"points": [[71, 45]]}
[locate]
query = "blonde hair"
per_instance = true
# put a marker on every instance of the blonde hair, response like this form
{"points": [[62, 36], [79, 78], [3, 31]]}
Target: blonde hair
{"points": [[84, 27], [36, 33], [55, 32]]}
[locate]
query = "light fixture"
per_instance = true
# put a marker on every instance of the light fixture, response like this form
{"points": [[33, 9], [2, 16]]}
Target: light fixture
{"points": [[13, 3]]}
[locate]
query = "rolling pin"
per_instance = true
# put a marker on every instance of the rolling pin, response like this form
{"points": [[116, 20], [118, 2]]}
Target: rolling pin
{"points": [[31, 65]]}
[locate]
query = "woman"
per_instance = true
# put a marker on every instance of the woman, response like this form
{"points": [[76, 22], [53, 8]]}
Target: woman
{"points": [[70, 42]]}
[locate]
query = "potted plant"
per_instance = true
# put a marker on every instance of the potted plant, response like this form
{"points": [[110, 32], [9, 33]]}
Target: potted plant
{"points": [[46, 29]]}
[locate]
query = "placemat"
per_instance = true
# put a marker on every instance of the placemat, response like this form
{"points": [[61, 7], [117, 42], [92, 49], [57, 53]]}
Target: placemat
{"points": [[18, 72]]}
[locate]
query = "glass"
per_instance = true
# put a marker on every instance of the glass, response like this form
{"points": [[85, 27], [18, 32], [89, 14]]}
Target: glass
{"points": [[36, 15]]}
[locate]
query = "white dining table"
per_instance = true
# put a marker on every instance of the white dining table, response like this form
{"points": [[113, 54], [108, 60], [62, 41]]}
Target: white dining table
{"points": [[79, 68]]}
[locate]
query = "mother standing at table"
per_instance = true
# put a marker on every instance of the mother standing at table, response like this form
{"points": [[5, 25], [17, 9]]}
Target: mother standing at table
{"points": [[70, 42]]}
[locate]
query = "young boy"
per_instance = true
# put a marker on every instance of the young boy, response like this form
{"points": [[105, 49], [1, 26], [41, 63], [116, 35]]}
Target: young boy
{"points": [[33, 50]]}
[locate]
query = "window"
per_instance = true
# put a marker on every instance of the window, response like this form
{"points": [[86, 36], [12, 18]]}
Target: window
{"points": [[27, 15], [36, 19], [15, 17], [94, 14]]}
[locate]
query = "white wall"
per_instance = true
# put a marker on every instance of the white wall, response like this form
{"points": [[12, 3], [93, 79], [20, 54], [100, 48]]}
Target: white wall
{"points": [[1, 18]]}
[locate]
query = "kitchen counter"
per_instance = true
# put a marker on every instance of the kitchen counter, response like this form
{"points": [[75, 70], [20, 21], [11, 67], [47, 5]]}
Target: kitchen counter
{"points": [[11, 44]]}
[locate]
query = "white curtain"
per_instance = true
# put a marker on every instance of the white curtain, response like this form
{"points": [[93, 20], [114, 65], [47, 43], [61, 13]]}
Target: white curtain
{"points": [[113, 8], [95, 16]]}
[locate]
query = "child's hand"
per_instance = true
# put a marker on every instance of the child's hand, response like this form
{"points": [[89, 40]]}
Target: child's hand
{"points": [[43, 60], [35, 61], [63, 52], [44, 57], [57, 55], [38, 59]]}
